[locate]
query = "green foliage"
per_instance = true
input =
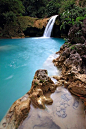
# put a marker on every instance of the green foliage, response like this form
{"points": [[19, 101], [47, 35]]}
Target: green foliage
{"points": [[9, 10], [52, 7], [66, 5], [73, 47], [71, 14], [35, 8], [80, 18], [66, 40], [9, 16], [15, 6], [68, 44], [25, 21], [35, 83], [42, 81]]}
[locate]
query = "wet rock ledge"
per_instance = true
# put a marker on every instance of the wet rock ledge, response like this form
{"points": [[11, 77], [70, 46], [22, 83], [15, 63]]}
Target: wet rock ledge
{"points": [[39, 95]]}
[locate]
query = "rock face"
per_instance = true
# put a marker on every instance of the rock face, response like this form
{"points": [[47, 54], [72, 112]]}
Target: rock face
{"points": [[26, 26], [35, 28], [72, 60], [41, 85], [17, 113], [42, 81], [77, 34]]}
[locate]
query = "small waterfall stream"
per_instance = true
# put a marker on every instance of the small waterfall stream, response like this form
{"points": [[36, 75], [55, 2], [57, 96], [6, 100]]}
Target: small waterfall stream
{"points": [[49, 27]]}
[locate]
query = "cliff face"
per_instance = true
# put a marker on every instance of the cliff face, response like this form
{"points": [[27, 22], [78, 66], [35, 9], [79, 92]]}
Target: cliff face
{"points": [[23, 26], [32, 27], [26, 26]]}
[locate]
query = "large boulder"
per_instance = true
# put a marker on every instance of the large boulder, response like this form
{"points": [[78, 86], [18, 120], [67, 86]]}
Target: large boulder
{"points": [[42, 81], [17, 113], [39, 100], [77, 33]]}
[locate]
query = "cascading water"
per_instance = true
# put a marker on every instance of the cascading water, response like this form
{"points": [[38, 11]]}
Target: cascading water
{"points": [[49, 27]]}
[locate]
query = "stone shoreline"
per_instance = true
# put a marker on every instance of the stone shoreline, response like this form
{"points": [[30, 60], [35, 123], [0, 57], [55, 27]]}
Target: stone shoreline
{"points": [[72, 61], [39, 95]]}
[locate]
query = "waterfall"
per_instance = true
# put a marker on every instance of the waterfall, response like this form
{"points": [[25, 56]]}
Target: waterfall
{"points": [[49, 27]]}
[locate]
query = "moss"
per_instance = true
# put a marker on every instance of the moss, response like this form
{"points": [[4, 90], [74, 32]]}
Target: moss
{"points": [[35, 83], [42, 81], [26, 21], [21, 24], [35, 77], [68, 44], [73, 47]]}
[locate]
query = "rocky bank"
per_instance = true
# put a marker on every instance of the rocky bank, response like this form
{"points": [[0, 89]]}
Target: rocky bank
{"points": [[72, 61]]}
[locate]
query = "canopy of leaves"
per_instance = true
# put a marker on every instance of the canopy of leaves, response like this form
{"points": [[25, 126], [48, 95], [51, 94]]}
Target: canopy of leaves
{"points": [[71, 14], [9, 10], [35, 8], [70, 11], [53, 7], [15, 6], [66, 5]]}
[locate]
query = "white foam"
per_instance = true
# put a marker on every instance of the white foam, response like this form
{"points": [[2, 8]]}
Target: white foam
{"points": [[49, 66], [11, 76]]}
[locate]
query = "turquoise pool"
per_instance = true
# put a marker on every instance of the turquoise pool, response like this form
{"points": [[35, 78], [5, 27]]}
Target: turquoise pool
{"points": [[19, 59]]}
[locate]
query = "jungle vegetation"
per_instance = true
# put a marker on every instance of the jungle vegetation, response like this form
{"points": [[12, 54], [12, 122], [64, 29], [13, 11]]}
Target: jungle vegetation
{"points": [[70, 11]]}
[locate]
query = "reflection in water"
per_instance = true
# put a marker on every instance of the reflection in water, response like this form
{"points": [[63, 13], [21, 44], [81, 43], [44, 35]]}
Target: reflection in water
{"points": [[7, 47], [66, 112]]}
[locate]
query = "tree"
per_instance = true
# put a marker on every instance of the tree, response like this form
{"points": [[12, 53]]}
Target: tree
{"points": [[71, 14], [52, 7], [15, 6], [35, 8], [9, 16], [66, 5], [9, 10]]}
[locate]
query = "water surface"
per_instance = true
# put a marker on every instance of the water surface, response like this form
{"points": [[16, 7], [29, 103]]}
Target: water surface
{"points": [[19, 59]]}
